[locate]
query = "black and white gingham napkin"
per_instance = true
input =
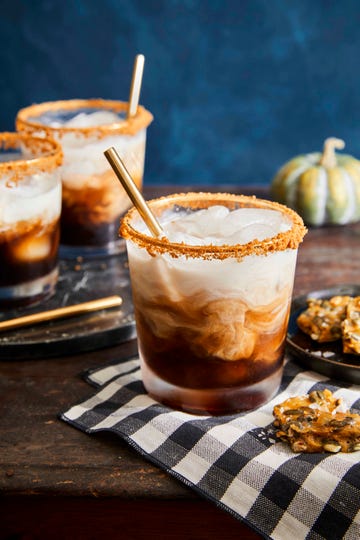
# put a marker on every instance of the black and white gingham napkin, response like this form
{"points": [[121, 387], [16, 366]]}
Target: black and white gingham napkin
{"points": [[234, 460]]}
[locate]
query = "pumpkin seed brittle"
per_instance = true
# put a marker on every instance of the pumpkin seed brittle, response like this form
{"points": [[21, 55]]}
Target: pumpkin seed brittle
{"points": [[336, 318], [350, 327], [317, 422], [323, 317]]}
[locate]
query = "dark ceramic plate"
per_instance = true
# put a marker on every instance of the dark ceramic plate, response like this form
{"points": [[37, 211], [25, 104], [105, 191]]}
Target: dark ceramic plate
{"points": [[78, 282], [325, 358]]}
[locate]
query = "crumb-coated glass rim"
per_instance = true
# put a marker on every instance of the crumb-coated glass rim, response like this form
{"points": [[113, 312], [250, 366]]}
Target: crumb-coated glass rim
{"points": [[47, 154], [28, 118], [157, 246]]}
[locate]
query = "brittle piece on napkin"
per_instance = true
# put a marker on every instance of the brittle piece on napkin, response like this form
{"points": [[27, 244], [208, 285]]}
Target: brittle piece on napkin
{"points": [[317, 422]]}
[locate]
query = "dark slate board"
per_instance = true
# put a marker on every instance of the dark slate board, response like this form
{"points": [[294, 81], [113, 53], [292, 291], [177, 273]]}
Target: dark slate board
{"points": [[79, 281]]}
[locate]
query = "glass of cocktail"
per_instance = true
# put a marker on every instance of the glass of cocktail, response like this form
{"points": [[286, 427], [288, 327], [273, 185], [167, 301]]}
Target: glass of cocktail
{"points": [[30, 206], [93, 200], [212, 298]]}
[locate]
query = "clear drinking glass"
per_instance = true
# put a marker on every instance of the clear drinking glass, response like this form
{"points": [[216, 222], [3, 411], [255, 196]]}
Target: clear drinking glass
{"points": [[30, 206], [93, 199], [212, 299]]}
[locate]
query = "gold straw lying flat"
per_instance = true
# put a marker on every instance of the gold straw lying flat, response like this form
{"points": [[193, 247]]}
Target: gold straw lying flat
{"points": [[61, 313]]}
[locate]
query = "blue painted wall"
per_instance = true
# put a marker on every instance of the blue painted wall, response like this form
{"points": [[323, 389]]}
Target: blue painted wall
{"points": [[237, 87]]}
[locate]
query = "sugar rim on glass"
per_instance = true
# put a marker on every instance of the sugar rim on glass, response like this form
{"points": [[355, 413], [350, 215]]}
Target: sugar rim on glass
{"points": [[289, 239], [47, 155], [27, 118]]}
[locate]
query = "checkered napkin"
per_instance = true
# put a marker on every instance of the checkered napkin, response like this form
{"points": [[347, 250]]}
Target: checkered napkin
{"points": [[234, 460]]}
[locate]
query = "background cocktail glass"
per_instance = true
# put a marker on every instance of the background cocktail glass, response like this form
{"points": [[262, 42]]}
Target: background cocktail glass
{"points": [[30, 206], [93, 200], [212, 319]]}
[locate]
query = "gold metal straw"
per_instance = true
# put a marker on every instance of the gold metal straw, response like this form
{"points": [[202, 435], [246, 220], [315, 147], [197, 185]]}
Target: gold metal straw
{"points": [[135, 86], [60, 313], [134, 194]]}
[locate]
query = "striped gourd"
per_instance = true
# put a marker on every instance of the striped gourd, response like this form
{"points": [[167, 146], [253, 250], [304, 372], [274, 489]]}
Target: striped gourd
{"points": [[322, 188]]}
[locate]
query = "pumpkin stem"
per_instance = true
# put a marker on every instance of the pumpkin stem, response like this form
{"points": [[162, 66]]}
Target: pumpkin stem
{"points": [[328, 158]]}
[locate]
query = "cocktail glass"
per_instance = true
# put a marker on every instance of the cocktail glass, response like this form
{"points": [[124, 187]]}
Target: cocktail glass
{"points": [[30, 206], [212, 298], [93, 200]]}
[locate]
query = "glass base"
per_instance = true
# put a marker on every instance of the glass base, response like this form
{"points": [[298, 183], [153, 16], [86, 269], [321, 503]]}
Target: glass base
{"points": [[212, 401], [92, 252], [30, 292]]}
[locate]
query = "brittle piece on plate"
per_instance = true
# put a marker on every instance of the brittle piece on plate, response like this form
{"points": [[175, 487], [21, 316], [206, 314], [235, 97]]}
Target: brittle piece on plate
{"points": [[350, 327], [317, 422], [323, 317]]}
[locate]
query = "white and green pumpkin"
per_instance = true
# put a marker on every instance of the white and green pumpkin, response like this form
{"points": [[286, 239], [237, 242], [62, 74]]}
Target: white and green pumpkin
{"points": [[323, 188]]}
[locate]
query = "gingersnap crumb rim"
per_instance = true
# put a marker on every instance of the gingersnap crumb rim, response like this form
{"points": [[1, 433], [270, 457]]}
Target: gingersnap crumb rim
{"points": [[47, 155], [157, 246], [27, 118]]}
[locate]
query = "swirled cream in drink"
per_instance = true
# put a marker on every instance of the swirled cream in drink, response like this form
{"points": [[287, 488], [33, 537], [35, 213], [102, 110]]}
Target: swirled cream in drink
{"points": [[93, 199], [212, 299], [30, 206]]}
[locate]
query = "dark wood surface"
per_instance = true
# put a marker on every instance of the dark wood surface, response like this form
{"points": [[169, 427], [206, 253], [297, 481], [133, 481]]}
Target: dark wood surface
{"points": [[57, 482]]}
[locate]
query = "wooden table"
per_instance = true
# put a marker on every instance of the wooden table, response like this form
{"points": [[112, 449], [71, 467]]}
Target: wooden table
{"points": [[57, 482]]}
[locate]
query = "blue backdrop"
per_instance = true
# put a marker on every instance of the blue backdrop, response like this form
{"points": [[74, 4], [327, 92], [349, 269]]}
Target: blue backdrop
{"points": [[236, 87]]}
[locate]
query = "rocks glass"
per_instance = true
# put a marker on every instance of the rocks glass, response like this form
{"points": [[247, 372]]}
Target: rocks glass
{"points": [[30, 206], [212, 299], [93, 199]]}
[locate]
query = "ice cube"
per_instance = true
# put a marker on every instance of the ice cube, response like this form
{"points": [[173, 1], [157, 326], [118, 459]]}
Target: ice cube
{"points": [[32, 249], [256, 231], [247, 224], [217, 225], [209, 221], [97, 118], [188, 239], [201, 224], [244, 217]]}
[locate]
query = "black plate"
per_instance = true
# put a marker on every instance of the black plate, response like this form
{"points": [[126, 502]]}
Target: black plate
{"points": [[78, 282], [325, 358]]}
